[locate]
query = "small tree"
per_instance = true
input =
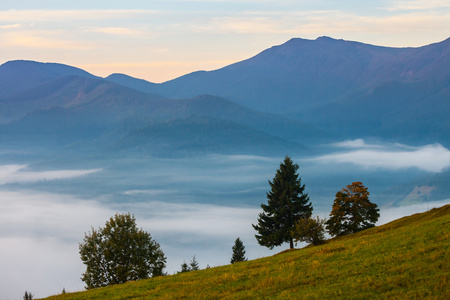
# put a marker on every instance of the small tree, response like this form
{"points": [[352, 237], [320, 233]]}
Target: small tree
{"points": [[184, 268], [287, 202], [194, 265], [310, 230], [352, 211], [120, 252], [28, 296], [238, 252]]}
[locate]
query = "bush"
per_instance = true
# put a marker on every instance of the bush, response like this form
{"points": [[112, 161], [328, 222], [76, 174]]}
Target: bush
{"points": [[310, 230]]}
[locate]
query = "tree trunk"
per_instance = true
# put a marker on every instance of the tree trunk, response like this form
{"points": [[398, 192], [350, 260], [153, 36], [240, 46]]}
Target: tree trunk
{"points": [[291, 242]]}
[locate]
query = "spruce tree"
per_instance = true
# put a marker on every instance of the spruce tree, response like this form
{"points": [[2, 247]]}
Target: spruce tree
{"points": [[28, 296], [184, 268], [287, 202], [194, 265], [238, 252]]}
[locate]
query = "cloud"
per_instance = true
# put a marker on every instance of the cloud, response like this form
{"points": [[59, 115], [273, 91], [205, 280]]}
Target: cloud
{"points": [[10, 26], [147, 192], [18, 174], [39, 234], [41, 231], [241, 25], [46, 215], [358, 143], [44, 40], [201, 36], [335, 22], [124, 32], [200, 219], [41, 266], [419, 5], [55, 15], [288, 19], [430, 158]]}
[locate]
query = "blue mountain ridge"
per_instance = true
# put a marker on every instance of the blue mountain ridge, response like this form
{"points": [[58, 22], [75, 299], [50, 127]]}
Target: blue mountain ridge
{"points": [[306, 92], [359, 90]]}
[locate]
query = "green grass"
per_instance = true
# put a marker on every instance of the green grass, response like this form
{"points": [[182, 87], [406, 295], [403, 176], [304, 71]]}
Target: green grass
{"points": [[405, 259]]}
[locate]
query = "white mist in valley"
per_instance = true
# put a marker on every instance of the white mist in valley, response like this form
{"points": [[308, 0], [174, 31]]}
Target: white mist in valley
{"points": [[430, 158], [191, 206]]}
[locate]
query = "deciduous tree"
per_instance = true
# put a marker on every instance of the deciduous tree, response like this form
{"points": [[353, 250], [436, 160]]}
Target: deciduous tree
{"points": [[120, 252], [352, 211], [287, 202]]}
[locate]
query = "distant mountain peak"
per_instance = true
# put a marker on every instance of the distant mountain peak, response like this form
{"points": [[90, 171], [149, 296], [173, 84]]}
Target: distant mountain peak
{"points": [[326, 38], [298, 40], [131, 82], [44, 66], [20, 75]]}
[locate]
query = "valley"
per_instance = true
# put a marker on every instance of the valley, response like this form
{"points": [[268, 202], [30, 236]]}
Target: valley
{"points": [[191, 157]]}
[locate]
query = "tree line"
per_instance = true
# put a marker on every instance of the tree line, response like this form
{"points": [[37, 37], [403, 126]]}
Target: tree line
{"points": [[120, 252], [287, 215]]}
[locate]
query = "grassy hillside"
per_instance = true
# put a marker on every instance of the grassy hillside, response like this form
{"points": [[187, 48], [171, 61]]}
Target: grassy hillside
{"points": [[405, 259]]}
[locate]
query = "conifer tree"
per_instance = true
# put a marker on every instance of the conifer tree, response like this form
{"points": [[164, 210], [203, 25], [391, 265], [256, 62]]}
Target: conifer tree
{"points": [[184, 268], [28, 296], [194, 265], [238, 251], [287, 202]]}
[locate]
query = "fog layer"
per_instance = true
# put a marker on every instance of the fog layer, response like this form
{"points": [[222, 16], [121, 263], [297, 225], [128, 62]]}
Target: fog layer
{"points": [[196, 206]]}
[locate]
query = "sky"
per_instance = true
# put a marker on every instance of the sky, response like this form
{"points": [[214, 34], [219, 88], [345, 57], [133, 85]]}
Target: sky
{"points": [[162, 40]]}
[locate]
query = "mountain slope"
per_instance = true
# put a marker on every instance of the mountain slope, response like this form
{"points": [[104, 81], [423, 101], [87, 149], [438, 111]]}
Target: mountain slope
{"points": [[196, 135], [406, 112], [301, 74], [131, 82], [304, 91], [21, 75], [359, 90], [99, 115], [383, 262]]}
